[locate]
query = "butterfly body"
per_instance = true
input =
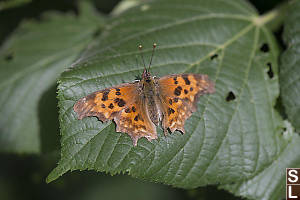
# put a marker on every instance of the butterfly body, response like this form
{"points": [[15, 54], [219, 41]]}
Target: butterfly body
{"points": [[151, 97], [138, 107]]}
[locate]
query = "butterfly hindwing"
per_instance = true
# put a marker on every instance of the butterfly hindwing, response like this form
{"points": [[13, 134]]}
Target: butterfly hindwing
{"points": [[134, 121], [179, 94]]}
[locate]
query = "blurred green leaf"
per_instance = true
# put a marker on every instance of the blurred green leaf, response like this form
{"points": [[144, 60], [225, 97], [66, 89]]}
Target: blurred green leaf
{"points": [[290, 66], [234, 135], [30, 62], [12, 3], [125, 188]]}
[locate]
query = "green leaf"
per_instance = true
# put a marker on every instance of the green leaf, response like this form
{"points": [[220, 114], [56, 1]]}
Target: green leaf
{"points": [[290, 66], [270, 182], [227, 140], [12, 3], [30, 62]]}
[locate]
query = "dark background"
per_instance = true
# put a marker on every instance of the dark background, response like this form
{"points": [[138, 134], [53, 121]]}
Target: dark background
{"points": [[23, 176]]}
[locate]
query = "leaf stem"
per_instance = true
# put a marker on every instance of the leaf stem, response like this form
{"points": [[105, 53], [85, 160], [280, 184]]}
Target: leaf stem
{"points": [[274, 18]]}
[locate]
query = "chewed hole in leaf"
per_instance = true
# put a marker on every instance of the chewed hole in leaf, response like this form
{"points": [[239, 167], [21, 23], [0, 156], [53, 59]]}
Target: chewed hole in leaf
{"points": [[280, 107], [283, 130], [9, 57], [213, 57], [265, 48], [270, 71], [96, 33], [230, 96]]}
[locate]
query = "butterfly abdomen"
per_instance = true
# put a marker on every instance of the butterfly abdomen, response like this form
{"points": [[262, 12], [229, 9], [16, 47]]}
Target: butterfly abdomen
{"points": [[150, 100]]}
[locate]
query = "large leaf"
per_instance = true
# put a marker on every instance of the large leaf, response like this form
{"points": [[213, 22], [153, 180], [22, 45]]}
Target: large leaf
{"points": [[290, 66], [234, 135], [31, 60]]}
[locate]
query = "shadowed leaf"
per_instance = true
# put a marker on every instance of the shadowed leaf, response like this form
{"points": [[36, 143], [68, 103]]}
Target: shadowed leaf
{"points": [[30, 62], [290, 66]]}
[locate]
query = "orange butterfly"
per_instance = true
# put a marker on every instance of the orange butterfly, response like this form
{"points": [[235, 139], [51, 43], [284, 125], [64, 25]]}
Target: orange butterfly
{"points": [[138, 107]]}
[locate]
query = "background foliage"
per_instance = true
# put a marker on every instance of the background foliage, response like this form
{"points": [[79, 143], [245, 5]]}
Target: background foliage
{"points": [[240, 140]]}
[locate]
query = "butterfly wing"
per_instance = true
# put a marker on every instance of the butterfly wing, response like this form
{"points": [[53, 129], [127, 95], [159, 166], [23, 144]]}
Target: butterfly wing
{"points": [[123, 104], [135, 121], [179, 94]]}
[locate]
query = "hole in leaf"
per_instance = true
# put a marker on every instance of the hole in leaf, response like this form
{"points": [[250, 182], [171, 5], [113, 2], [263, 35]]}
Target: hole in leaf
{"points": [[265, 47], [215, 56], [9, 57], [230, 96], [270, 71], [280, 108], [284, 129], [96, 33]]}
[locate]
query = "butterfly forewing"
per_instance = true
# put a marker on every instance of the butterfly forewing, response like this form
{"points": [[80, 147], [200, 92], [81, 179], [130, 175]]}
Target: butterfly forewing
{"points": [[106, 104], [179, 94], [122, 103]]}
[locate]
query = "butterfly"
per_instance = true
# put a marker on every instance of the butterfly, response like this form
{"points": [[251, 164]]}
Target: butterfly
{"points": [[138, 107]]}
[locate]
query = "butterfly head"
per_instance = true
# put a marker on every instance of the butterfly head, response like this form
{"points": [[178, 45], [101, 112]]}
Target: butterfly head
{"points": [[146, 75]]}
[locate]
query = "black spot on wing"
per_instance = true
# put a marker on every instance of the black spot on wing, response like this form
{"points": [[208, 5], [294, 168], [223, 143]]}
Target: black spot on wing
{"points": [[127, 110], [170, 111], [121, 103], [186, 79], [105, 95], [177, 91], [111, 106], [133, 109], [136, 118], [175, 80]]}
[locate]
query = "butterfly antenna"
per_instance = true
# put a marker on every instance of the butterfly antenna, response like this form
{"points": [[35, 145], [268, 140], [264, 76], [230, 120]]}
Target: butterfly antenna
{"points": [[154, 46], [140, 48]]}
